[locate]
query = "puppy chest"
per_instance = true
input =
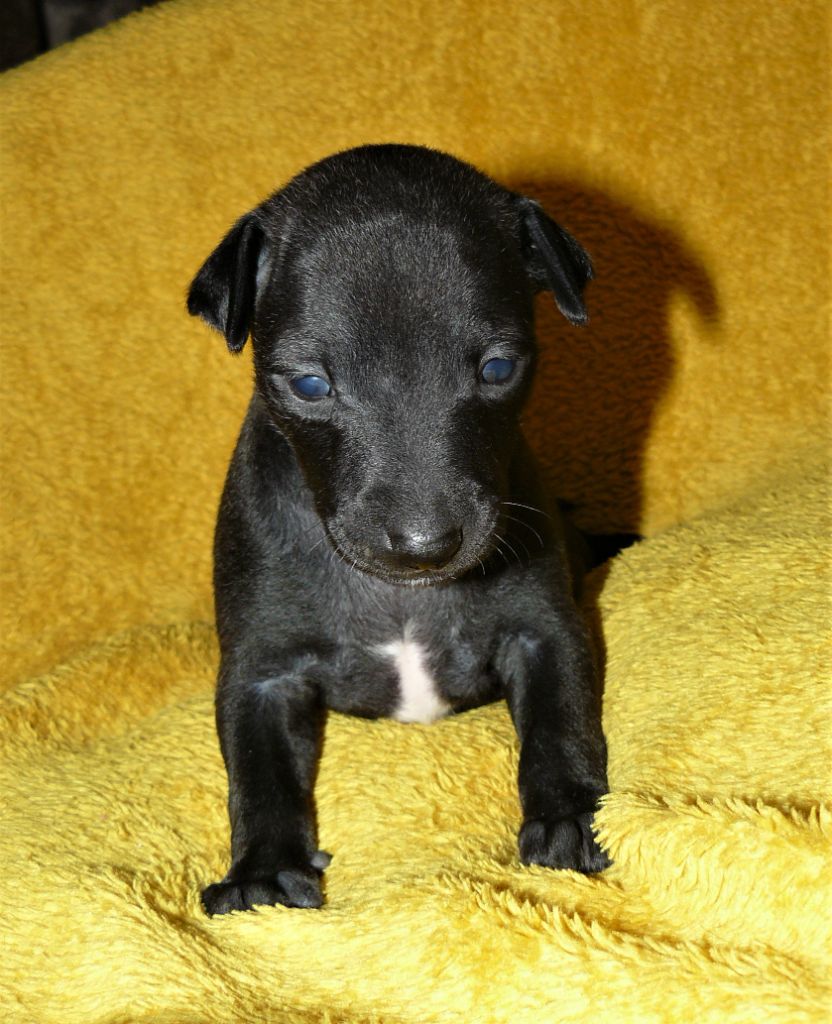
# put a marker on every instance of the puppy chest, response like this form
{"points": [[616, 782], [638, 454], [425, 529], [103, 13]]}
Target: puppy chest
{"points": [[419, 699]]}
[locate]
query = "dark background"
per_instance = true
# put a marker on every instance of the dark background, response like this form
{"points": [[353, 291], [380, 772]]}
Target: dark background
{"points": [[30, 27]]}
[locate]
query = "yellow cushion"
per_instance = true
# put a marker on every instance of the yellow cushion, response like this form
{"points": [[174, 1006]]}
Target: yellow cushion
{"points": [[686, 144]]}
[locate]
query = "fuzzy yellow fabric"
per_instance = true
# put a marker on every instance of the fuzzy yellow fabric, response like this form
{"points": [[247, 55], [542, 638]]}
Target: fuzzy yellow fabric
{"points": [[686, 144]]}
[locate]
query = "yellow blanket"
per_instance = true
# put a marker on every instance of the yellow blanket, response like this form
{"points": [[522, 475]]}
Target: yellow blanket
{"points": [[685, 144]]}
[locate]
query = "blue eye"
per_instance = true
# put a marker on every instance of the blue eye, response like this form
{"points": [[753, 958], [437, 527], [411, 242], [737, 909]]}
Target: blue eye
{"points": [[497, 371], [310, 387]]}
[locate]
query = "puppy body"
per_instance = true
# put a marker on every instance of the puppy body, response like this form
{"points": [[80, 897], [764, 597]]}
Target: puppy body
{"points": [[382, 546]]}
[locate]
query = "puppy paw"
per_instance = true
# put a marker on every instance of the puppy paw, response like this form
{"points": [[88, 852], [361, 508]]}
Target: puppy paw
{"points": [[291, 888], [562, 843]]}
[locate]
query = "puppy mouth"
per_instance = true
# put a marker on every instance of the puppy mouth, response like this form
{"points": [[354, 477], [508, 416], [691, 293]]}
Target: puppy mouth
{"points": [[401, 577], [464, 562], [414, 578]]}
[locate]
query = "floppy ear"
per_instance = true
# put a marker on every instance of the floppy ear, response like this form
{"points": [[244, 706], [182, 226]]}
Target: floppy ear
{"points": [[224, 290], [554, 260]]}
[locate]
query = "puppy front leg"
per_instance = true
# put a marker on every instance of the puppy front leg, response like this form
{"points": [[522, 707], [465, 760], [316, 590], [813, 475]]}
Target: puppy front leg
{"points": [[549, 681], [270, 729]]}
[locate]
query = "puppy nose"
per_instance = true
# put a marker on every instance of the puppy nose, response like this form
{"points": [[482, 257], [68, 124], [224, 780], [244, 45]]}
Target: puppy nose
{"points": [[415, 549]]}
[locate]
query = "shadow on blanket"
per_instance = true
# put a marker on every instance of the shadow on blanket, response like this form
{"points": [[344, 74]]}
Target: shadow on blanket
{"points": [[598, 387]]}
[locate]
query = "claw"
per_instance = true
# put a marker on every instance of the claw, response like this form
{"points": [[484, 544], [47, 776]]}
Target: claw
{"points": [[321, 860]]}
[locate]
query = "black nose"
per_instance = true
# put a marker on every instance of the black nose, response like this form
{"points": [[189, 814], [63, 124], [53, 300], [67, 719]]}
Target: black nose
{"points": [[414, 549]]}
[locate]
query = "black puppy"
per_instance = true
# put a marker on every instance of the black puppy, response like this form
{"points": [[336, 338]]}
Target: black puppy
{"points": [[379, 548]]}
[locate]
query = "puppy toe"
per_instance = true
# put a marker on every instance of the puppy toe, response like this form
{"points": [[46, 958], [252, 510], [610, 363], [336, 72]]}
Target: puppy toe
{"points": [[223, 897], [565, 843], [301, 889], [321, 860], [288, 888]]}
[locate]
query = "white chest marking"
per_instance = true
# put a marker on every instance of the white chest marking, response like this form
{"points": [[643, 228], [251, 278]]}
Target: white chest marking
{"points": [[419, 701]]}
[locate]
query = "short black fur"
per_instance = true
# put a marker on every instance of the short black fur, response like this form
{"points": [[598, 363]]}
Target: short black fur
{"points": [[401, 505]]}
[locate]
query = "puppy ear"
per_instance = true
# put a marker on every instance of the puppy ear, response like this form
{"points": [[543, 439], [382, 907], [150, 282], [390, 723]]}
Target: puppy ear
{"points": [[224, 291], [554, 260]]}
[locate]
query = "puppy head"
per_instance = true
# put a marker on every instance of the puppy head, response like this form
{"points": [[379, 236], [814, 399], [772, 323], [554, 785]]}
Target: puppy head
{"points": [[388, 293]]}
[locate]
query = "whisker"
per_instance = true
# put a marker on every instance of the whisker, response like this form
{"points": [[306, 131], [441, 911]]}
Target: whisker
{"points": [[502, 542], [511, 549], [309, 528], [343, 560], [523, 546], [317, 543], [499, 550], [531, 508], [528, 526]]}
